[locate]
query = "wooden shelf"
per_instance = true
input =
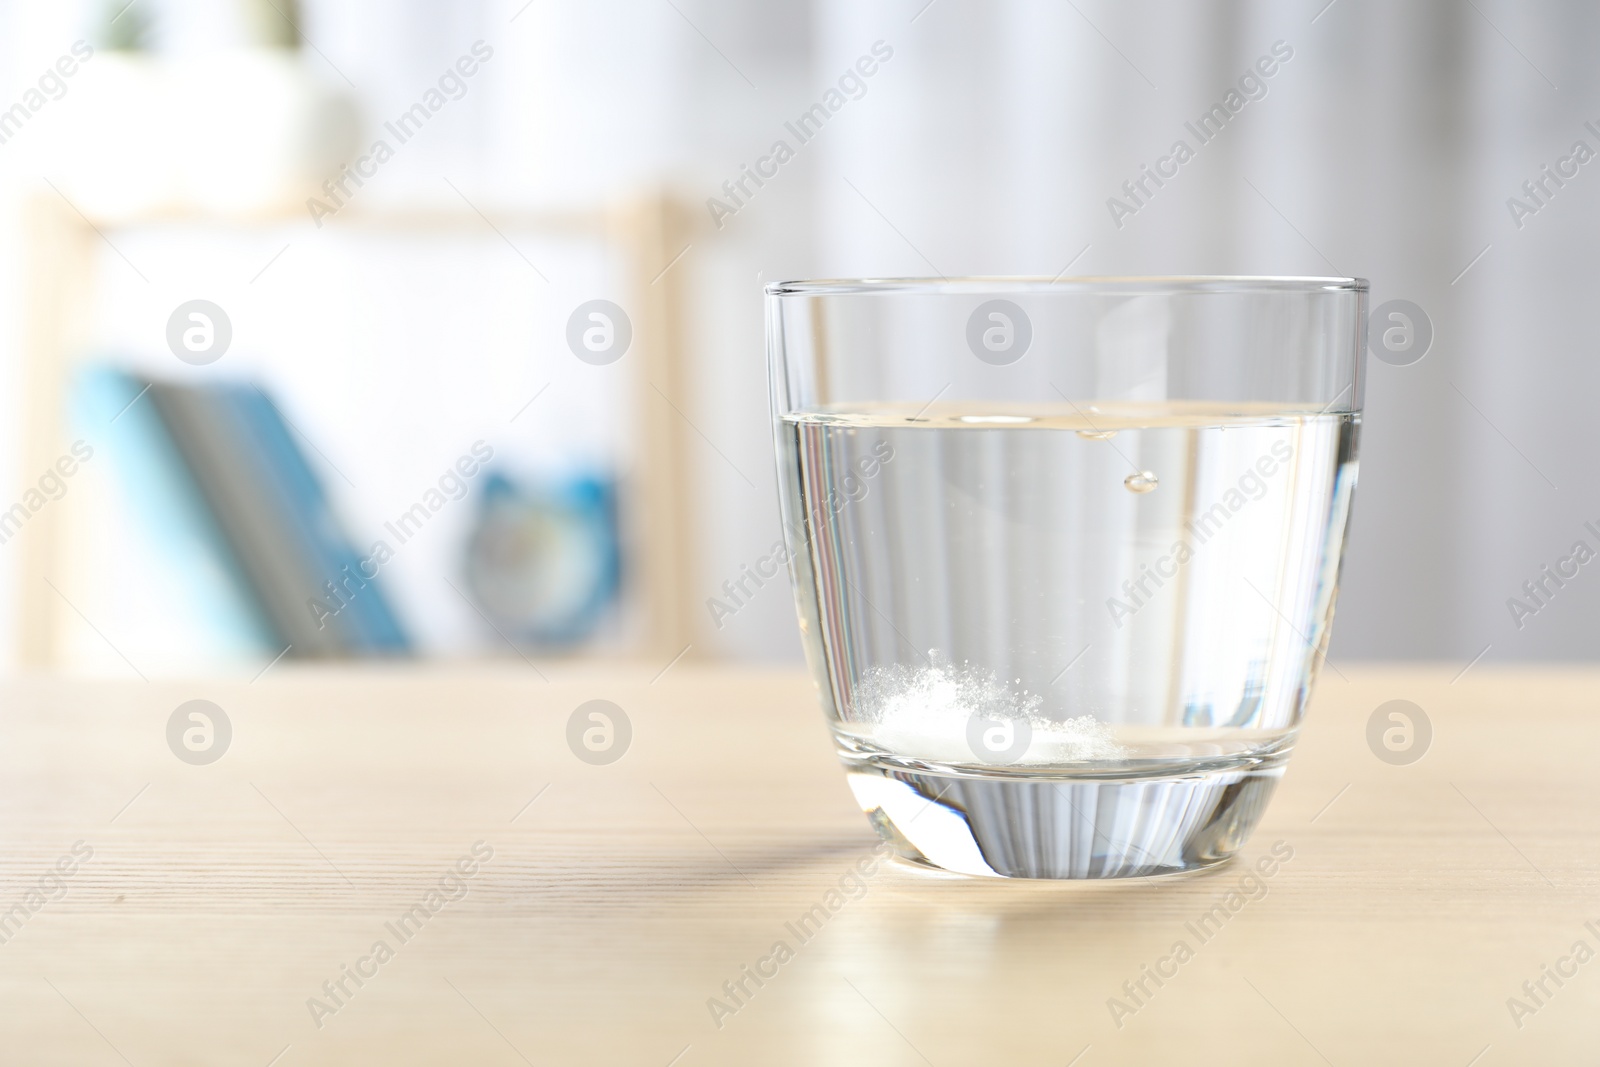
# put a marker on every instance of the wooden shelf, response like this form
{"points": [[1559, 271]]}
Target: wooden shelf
{"points": [[648, 231]]}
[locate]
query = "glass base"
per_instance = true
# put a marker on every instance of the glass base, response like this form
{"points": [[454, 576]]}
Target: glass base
{"points": [[1039, 826]]}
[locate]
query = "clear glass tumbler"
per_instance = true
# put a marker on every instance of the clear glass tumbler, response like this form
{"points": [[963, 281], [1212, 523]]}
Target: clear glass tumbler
{"points": [[1066, 551]]}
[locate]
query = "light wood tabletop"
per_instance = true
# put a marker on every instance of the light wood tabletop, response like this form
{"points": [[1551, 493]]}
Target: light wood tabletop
{"points": [[536, 908]]}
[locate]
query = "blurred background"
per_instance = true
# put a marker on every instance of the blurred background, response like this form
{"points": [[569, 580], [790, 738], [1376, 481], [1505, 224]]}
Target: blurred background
{"points": [[345, 328]]}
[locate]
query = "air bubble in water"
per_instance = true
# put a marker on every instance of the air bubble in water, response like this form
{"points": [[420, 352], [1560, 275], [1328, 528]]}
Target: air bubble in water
{"points": [[1141, 482]]}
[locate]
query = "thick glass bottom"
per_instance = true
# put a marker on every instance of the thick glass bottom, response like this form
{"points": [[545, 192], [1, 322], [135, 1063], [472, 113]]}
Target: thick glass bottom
{"points": [[1055, 826]]}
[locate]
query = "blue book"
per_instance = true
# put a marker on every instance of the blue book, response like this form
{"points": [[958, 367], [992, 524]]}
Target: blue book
{"points": [[166, 533], [348, 589]]}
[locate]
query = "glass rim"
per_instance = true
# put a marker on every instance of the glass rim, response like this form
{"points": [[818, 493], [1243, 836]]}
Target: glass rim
{"points": [[1102, 285]]}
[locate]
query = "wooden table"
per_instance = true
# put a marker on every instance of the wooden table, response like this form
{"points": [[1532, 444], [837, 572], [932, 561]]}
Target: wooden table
{"points": [[220, 898]]}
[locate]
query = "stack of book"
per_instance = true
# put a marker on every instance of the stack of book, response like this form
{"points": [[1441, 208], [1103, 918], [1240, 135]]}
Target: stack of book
{"points": [[219, 468]]}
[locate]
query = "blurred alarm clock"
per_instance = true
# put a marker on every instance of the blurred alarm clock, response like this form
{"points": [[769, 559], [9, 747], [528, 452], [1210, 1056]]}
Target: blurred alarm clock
{"points": [[544, 561]]}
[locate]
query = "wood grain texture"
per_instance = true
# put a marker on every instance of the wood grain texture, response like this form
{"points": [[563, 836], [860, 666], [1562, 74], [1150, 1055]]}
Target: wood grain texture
{"points": [[220, 898]]}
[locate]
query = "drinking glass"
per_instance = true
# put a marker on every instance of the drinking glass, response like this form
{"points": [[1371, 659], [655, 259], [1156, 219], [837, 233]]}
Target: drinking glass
{"points": [[1065, 551]]}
